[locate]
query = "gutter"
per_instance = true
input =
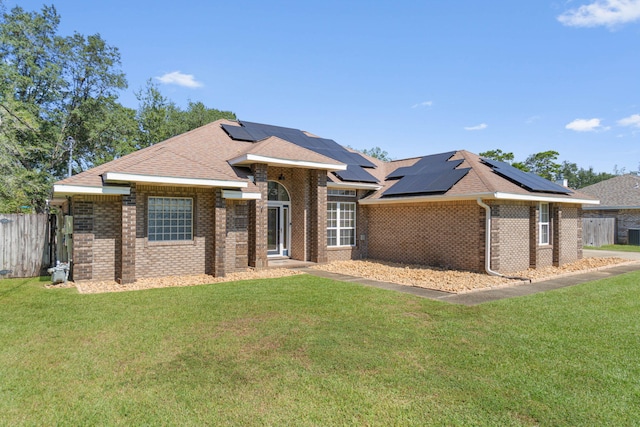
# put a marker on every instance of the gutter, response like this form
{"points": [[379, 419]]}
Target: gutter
{"points": [[487, 256]]}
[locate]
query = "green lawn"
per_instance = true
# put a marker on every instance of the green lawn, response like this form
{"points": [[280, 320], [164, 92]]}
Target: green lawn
{"points": [[308, 351], [622, 248]]}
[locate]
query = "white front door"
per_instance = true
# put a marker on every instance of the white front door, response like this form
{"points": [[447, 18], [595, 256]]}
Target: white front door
{"points": [[278, 229]]}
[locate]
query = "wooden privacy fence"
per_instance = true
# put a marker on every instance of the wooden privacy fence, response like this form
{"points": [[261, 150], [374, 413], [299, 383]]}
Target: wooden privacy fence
{"points": [[598, 231], [24, 250]]}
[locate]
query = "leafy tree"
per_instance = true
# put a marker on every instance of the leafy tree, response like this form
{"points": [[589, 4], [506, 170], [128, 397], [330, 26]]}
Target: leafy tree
{"points": [[498, 155], [544, 164], [52, 87], [377, 153], [160, 119], [580, 177], [501, 156]]}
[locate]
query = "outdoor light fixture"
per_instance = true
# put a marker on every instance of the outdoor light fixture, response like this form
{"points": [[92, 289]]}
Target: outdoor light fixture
{"points": [[281, 177]]}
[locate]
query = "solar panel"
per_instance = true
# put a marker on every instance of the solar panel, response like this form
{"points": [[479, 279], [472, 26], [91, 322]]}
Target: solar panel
{"points": [[528, 180], [430, 174], [434, 182], [249, 131], [355, 173], [238, 133], [426, 164]]}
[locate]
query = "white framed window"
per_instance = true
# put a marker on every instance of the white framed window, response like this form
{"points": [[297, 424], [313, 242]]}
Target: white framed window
{"points": [[543, 225], [341, 224], [341, 192], [169, 219]]}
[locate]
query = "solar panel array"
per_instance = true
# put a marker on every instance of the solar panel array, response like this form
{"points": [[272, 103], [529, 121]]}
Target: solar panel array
{"points": [[430, 174], [528, 180], [355, 173], [253, 132]]}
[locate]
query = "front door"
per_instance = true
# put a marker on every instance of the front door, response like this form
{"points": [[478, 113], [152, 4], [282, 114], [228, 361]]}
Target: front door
{"points": [[278, 229]]}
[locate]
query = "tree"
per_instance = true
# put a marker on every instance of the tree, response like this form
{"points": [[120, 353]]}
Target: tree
{"points": [[498, 155], [52, 87], [160, 119], [580, 177], [544, 164], [377, 153]]}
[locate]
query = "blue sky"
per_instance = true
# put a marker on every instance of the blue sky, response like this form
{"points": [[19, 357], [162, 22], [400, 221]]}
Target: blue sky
{"points": [[412, 77]]}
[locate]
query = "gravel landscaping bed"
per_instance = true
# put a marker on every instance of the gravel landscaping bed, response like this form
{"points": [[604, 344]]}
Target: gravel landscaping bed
{"points": [[454, 280], [94, 287], [402, 274]]}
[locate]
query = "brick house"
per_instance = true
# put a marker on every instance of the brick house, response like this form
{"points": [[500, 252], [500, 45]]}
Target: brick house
{"points": [[232, 195], [619, 199]]}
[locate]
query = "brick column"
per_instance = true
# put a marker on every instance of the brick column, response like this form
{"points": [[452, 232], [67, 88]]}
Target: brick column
{"points": [[127, 273], [318, 216], [219, 233], [82, 257], [533, 236], [580, 242], [556, 232], [258, 219]]}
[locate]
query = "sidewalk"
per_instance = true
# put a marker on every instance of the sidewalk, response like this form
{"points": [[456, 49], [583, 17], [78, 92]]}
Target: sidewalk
{"points": [[493, 294]]}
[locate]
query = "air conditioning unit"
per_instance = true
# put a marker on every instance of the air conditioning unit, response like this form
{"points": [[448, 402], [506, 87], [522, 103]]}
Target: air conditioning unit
{"points": [[634, 236]]}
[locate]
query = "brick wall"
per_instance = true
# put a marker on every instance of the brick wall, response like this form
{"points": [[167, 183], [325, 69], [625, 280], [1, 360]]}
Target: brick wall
{"points": [[438, 234], [569, 227], [511, 245], [237, 236], [154, 259]]}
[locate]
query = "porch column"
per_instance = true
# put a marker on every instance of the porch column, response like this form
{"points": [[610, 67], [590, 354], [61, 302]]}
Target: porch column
{"points": [[258, 219], [556, 233], [127, 273], [318, 216], [219, 233], [82, 266]]}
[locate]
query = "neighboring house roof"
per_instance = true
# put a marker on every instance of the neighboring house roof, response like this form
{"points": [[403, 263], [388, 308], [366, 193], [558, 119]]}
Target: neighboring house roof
{"points": [[620, 192], [217, 155]]}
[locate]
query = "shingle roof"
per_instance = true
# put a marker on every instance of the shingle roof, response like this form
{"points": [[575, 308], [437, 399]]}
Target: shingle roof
{"points": [[205, 152], [619, 191], [479, 180]]}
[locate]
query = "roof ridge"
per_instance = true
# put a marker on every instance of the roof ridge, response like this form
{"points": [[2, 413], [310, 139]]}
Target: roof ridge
{"points": [[480, 172]]}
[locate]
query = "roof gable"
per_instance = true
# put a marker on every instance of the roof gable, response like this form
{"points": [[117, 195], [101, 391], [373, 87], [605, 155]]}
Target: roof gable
{"points": [[619, 191]]}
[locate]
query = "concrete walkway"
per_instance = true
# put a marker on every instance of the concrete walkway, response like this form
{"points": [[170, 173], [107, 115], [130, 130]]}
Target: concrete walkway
{"points": [[493, 294]]}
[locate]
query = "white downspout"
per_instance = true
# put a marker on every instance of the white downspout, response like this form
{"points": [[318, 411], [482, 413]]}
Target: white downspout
{"points": [[487, 258], [487, 251]]}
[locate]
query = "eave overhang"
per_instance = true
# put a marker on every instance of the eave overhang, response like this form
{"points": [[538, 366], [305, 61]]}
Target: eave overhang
{"points": [[610, 208], [354, 185], [475, 196], [113, 177], [248, 159], [62, 190], [239, 195]]}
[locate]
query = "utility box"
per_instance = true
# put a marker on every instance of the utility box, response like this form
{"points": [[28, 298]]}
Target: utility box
{"points": [[634, 236]]}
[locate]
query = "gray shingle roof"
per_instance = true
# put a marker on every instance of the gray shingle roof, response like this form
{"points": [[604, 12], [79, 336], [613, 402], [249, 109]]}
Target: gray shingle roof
{"points": [[619, 191]]}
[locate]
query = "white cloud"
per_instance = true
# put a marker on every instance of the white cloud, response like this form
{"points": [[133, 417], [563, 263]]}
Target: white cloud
{"points": [[633, 121], [423, 104], [481, 126], [609, 13], [180, 79], [584, 125]]}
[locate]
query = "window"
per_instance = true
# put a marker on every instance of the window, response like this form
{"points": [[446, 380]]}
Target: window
{"points": [[341, 192], [341, 224], [170, 218], [276, 192], [544, 224]]}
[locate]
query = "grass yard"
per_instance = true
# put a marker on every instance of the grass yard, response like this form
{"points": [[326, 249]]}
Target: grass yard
{"points": [[309, 351], [621, 248]]}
